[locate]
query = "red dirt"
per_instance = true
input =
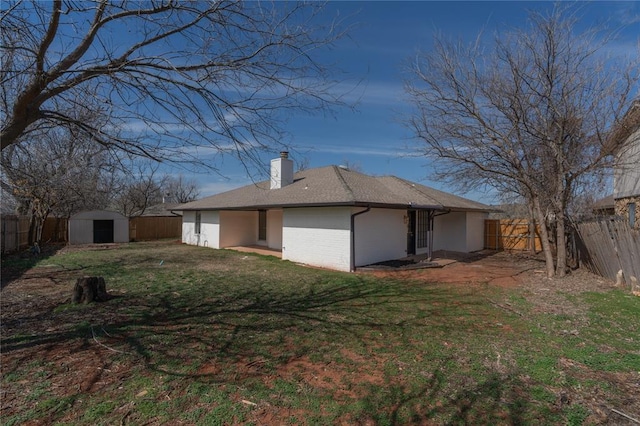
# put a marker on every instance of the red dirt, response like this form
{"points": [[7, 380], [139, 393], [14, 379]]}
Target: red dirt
{"points": [[498, 269]]}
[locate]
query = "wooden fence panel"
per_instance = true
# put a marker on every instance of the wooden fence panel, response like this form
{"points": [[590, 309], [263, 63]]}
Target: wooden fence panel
{"points": [[145, 228], [9, 240], [509, 234], [56, 230], [15, 233], [608, 246]]}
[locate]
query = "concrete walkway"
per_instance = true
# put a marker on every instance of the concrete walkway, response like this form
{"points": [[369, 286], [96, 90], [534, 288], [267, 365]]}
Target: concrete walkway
{"points": [[263, 250]]}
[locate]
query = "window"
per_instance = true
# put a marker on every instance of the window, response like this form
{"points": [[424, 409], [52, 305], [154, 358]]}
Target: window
{"points": [[632, 214], [262, 225], [423, 228], [198, 222]]}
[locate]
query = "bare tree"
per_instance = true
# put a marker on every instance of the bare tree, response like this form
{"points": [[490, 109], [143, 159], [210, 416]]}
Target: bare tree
{"points": [[180, 189], [137, 192], [177, 79], [531, 115], [56, 173]]}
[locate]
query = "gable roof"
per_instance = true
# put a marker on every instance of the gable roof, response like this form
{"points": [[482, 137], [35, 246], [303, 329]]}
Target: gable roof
{"points": [[629, 124], [336, 186]]}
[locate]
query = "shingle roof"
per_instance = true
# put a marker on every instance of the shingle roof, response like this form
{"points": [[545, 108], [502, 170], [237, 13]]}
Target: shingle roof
{"points": [[332, 186], [162, 209]]}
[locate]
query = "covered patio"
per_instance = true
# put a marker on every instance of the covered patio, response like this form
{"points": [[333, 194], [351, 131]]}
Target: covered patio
{"points": [[265, 251]]}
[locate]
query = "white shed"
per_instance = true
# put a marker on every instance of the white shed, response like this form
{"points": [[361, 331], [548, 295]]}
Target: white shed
{"points": [[98, 226]]}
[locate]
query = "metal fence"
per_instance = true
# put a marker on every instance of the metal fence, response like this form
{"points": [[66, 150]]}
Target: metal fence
{"points": [[609, 245]]}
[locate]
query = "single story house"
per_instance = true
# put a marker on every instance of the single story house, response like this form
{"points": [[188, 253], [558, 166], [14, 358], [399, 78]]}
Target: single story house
{"points": [[626, 174], [335, 218], [97, 227], [625, 200]]}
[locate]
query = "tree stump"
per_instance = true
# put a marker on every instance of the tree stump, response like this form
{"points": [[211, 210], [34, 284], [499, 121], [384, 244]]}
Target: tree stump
{"points": [[90, 289]]}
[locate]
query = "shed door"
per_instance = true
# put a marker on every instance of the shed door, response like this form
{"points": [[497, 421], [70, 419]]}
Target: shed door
{"points": [[103, 231]]}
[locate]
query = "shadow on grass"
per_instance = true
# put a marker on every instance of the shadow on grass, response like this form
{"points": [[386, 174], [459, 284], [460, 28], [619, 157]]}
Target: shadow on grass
{"points": [[246, 322], [250, 329], [496, 399], [15, 265]]}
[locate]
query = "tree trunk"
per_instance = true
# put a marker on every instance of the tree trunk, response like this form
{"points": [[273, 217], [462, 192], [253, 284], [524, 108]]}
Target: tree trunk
{"points": [[32, 230], [90, 289], [561, 246], [544, 236], [532, 229]]}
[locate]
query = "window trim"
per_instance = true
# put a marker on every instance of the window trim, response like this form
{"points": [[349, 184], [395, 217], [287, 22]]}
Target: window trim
{"points": [[262, 225], [198, 222]]}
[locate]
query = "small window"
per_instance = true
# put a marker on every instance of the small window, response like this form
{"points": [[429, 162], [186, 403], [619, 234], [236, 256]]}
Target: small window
{"points": [[632, 214], [262, 225], [198, 222]]}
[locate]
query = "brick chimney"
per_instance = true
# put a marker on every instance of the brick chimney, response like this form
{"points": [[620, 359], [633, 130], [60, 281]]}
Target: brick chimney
{"points": [[281, 171]]}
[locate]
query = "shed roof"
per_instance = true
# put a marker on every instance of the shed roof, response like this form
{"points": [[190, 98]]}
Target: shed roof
{"points": [[335, 186]]}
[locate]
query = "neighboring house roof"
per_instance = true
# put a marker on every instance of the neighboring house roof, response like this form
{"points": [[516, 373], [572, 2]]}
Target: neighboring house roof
{"points": [[335, 186], [629, 124], [162, 209], [605, 203]]}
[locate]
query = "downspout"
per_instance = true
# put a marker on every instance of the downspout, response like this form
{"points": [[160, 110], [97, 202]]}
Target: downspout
{"points": [[432, 217], [353, 237]]}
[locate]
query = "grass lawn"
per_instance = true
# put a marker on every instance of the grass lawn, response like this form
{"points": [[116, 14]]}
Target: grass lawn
{"points": [[213, 337]]}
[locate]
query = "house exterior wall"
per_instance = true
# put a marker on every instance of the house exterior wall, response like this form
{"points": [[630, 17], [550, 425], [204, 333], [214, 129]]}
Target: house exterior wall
{"points": [[626, 179], [318, 236], [459, 231], [449, 232], [274, 229], [475, 231], [238, 228], [81, 226], [380, 234], [209, 229], [622, 207]]}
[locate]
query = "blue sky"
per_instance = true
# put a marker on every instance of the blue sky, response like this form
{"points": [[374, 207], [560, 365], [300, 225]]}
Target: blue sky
{"points": [[383, 39]]}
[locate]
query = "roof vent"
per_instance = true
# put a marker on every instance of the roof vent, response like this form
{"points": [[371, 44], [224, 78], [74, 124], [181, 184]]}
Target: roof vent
{"points": [[343, 167]]}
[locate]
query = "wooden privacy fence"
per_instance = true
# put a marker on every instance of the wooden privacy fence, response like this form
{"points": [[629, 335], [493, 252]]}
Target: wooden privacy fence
{"points": [[15, 233], [510, 234], [607, 246], [15, 230], [145, 228]]}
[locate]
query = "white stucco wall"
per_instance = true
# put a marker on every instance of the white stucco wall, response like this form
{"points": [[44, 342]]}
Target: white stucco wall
{"points": [[449, 232], [475, 230], [380, 234], [318, 236], [209, 229], [238, 228], [626, 180], [274, 229], [459, 231], [81, 226]]}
